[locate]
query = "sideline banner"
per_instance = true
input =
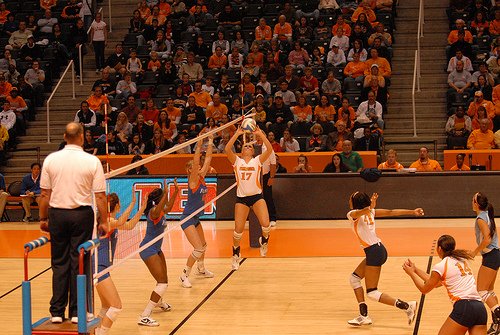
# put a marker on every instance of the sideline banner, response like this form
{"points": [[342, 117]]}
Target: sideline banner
{"points": [[141, 187]]}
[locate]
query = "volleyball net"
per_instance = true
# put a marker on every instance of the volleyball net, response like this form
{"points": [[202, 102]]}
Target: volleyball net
{"points": [[129, 187]]}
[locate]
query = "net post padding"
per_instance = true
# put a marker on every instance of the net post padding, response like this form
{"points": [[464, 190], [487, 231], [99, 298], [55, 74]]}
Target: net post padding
{"points": [[159, 237], [151, 158]]}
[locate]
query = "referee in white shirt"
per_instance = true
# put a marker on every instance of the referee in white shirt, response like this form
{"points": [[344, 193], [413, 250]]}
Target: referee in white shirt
{"points": [[268, 173], [68, 179]]}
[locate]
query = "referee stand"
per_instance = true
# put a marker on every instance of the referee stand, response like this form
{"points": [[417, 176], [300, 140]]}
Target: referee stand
{"points": [[45, 326]]}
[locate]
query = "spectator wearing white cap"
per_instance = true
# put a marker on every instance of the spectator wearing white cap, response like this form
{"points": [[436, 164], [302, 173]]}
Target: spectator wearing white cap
{"points": [[31, 51], [336, 56]]}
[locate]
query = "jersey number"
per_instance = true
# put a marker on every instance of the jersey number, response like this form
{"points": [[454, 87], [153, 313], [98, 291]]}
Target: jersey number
{"points": [[246, 175], [464, 270]]}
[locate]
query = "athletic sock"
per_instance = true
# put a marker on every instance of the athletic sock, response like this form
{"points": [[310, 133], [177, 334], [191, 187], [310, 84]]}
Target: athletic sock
{"points": [[236, 251], [201, 266], [187, 270], [149, 308], [401, 304], [265, 239], [363, 309], [104, 330]]}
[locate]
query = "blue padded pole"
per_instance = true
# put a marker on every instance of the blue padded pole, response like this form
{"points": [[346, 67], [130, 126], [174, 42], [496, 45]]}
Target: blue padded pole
{"points": [[26, 291], [81, 289]]}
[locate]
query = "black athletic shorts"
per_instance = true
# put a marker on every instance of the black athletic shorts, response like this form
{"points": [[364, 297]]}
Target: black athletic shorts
{"points": [[250, 200], [376, 254], [469, 313], [492, 259]]}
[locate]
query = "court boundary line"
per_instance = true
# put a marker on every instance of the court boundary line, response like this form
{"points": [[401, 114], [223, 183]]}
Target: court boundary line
{"points": [[18, 286], [422, 296], [205, 299]]}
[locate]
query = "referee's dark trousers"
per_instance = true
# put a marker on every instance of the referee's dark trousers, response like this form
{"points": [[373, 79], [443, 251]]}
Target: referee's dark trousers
{"points": [[268, 196], [68, 229]]}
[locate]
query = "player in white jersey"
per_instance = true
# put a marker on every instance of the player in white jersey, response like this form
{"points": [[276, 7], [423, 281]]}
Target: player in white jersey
{"points": [[487, 246], [362, 217], [247, 170], [453, 272]]}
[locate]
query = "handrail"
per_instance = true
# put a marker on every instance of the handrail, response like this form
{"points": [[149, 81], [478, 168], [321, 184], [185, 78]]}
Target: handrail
{"points": [[415, 75], [417, 67], [109, 9], [80, 60], [37, 149], [72, 65], [433, 142]]}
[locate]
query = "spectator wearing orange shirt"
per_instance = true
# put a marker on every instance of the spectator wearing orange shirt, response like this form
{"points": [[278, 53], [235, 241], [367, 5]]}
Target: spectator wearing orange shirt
{"points": [[167, 126], [482, 138], [164, 8], [341, 24], [282, 30], [218, 60], [324, 114], [5, 87], [144, 10], [217, 109], [97, 101], [174, 113], [150, 112], [453, 35], [424, 163], [364, 7], [156, 15], [480, 101], [201, 97], [391, 162], [495, 24], [383, 65], [248, 87], [355, 70], [3, 13], [258, 57], [263, 32], [154, 63], [47, 4], [460, 166], [302, 117]]}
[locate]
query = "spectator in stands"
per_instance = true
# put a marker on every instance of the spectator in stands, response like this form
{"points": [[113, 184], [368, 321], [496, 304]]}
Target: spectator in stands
{"points": [[480, 101], [358, 34], [287, 95], [12, 75], [324, 114], [173, 113], [283, 31], [161, 45], [144, 130], [341, 40], [218, 60], [107, 83], [114, 145], [391, 162], [196, 21], [150, 112], [495, 24], [217, 109], [309, 84], [328, 7], [78, 37], [459, 81], [424, 163], [355, 69], [149, 34], [137, 23], [140, 170], [335, 140], [366, 26], [479, 26], [288, 143], [117, 62], [331, 86], [452, 64], [480, 114], [494, 65], [302, 31], [336, 166], [292, 80], [460, 166], [192, 69], [453, 35], [364, 8], [8, 120], [71, 13], [370, 112], [357, 47], [221, 42], [4, 138], [351, 158], [11, 25], [97, 101], [154, 64], [336, 56], [193, 117], [19, 106], [156, 15], [317, 59], [167, 126], [157, 144], [298, 57], [30, 190], [169, 73], [235, 59], [5, 87], [317, 141], [483, 70], [385, 37], [178, 8], [31, 51], [46, 23], [302, 165], [383, 65], [85, 116], [369, 141], [460, 44], [373, 75], [302, 114], [35, 77], [47, 4], [482, 138], [7, 60], [263, 33], [90, 146], [131, 110], [201, 97], [478, 6], [279, 116], [240, 43], [482, 85], [458, 128], [125, 87], [19, 37], [272, 139], [230, 18], [379, 91], [322, 32]]}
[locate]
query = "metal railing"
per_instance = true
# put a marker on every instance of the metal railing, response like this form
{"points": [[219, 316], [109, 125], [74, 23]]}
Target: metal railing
{"points": [[80, 60], [72, 66], [416, 67]]}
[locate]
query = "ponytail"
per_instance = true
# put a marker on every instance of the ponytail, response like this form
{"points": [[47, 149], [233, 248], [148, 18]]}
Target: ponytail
{"points": [[484, 205], [447, 244], [491, 215]]}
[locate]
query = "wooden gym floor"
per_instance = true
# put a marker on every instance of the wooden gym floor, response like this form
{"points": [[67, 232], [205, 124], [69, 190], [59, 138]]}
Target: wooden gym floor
{"points": [[302, 286]]}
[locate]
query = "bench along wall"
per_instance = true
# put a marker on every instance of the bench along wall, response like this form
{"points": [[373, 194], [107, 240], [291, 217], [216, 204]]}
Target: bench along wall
{"points": [[325, 196]]}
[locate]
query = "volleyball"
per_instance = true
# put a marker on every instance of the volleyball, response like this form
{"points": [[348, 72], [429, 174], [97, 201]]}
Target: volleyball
{"points": [[249, 125]]}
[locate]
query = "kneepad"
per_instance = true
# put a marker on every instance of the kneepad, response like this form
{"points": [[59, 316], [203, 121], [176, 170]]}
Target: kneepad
{"points": [[160, 289], [112, 313], [237, 236], [197, 253], [373, 294], [355, 281], [485, 295]]}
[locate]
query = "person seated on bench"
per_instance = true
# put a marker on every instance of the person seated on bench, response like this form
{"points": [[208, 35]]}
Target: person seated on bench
{"points": [[3, 195], [30, 190]]}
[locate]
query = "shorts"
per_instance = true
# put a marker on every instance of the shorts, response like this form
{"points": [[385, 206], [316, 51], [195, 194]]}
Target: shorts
{"points": [[194, 221], [491, 259], [469, 313], [376, 254], [104, 258], [152, 250], [250, 200]]}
